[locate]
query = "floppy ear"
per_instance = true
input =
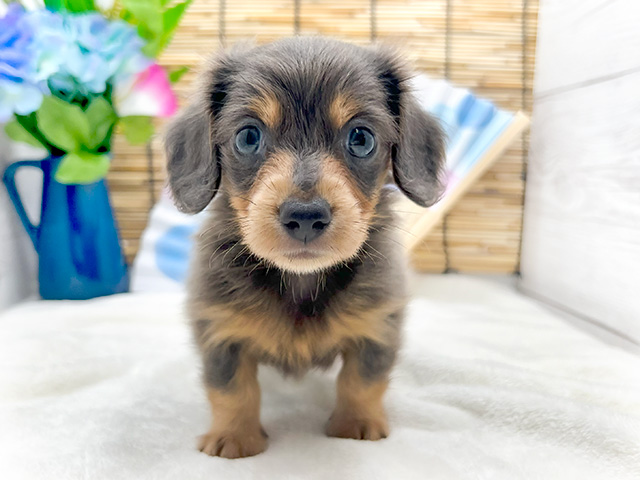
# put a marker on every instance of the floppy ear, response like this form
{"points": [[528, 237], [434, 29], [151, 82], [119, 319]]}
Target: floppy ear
{"points": [[194, 172], [418, 155], [192, 156]]}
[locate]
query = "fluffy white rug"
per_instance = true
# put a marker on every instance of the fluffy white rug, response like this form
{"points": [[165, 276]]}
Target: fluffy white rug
{"points": [[489, 386]]}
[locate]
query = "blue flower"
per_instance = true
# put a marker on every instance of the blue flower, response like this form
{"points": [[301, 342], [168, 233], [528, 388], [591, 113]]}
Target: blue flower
{"points": [[75, 54], [97, 51], [16, 37], [21, 89], [20, 98]]}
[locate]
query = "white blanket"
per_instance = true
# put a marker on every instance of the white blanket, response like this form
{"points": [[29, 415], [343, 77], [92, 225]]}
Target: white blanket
{"points": [[489, 386]]}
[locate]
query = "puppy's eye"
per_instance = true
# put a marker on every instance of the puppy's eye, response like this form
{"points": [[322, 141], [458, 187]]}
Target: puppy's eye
{"points": [[248, 140], [360, 142]]}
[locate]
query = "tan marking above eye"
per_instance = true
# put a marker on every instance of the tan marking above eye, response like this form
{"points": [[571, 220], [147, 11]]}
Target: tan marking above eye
{"points": [[342, 109], [268, 109]]}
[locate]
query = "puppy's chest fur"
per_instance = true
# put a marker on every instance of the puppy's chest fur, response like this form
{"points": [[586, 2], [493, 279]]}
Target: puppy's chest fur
{"points": [[292, 321], [305, 316], [305, 299]]}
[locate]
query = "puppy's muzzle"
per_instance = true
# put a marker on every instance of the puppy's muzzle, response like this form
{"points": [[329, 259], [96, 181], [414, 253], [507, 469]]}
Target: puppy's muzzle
{"points": [[305, 221]]}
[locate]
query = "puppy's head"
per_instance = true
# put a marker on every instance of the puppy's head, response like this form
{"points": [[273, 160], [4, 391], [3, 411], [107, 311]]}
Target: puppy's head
{"points": [[301, 134]]}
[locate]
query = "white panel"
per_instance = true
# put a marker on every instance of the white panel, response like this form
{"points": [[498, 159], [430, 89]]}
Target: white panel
{"points": [[18, 264], [582, 217], [583, 40]]}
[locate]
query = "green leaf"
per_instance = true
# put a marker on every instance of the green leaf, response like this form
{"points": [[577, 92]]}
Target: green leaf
{"points": [[53, 5], [30, 124], [152, 48], [171, 17], [63, 124], [145, 32], [155, 22], [75, 6], [146, 12], [17, 132], [101, 118], [79, 6], [176, 75], [137, 129], [82, 167]]}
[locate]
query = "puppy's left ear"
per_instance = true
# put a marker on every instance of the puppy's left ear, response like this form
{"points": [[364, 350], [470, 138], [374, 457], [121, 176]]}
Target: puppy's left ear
{"points": [[418, 155], [192, 166]]}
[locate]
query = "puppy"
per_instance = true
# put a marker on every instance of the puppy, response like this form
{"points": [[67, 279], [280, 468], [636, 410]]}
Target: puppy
{"points": [[297, 263]]}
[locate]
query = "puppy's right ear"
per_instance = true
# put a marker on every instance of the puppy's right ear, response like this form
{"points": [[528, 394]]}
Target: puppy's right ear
{"points": [[192, 156]]}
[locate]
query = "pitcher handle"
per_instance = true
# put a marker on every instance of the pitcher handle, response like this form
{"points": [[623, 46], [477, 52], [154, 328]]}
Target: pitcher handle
{"points": [[9, 179]]}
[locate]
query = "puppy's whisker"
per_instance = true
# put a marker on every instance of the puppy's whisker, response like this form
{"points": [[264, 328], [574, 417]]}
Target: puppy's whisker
{"points": [[378, 252], [258, 264], [238, 255], [315, 297], [250, 257], [273, 186], [293, 290], [282, 283], [264, 183], [391, 225], [363, 251], [389, 238], [224, 257]]}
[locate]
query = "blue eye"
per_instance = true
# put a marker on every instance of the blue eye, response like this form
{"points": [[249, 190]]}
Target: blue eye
{"points": [[248, 140], [361, 142]]}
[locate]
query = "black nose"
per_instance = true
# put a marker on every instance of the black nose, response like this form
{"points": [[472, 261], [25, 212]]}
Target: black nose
{"points": [[305, 221]]}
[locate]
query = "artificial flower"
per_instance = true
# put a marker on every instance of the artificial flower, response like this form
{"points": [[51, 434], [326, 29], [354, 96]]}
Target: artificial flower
{"points": [[20, 88], [18, 98], [70, 78], [73, 54], [96, 51], [147, 93]]}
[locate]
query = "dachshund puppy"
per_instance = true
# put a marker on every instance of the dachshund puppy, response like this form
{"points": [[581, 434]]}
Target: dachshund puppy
{"points": [[297, 263]]}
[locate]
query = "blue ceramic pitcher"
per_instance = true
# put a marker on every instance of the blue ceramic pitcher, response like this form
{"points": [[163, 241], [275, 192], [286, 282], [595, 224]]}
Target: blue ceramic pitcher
{"points": [[76, 240]]}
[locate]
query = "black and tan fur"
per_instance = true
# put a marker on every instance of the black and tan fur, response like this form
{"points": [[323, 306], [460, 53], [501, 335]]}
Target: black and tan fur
{"points": [[255, 294]]}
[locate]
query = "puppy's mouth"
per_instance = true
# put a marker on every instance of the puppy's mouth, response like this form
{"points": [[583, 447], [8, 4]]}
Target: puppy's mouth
{"points": [[304, 254]]}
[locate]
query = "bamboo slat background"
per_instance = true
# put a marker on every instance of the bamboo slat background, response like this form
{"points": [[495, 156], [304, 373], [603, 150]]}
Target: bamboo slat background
{"points": [[487, 45]]}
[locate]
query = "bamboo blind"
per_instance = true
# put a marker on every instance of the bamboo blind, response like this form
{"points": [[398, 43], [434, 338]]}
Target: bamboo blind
{"points": [[487, 45]]}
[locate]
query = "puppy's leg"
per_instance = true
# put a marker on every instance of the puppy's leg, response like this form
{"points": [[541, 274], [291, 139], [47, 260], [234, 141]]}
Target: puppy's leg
{"points": [[234, 396], [362, 382]]}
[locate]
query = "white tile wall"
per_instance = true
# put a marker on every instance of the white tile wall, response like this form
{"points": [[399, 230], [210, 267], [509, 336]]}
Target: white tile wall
{"points": [[582, 41], [581, 239]]}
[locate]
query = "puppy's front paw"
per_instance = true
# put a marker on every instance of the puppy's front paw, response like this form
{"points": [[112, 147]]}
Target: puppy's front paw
{"points": [[233, 444], [343, 425]]}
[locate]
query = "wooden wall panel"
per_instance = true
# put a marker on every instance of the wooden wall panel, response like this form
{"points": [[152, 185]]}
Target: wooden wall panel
{"points": [[348, 19]]}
